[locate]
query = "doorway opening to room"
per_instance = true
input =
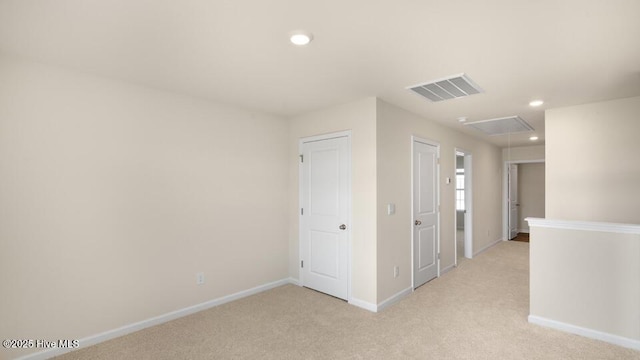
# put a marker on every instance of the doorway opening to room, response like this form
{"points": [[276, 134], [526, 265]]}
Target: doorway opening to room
{"points": [[463, 205], [523, 196]]}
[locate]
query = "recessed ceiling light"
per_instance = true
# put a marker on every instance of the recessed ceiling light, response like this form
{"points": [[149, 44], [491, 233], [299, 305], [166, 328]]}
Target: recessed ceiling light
{"points": [[536, 103], [533, 138], [300, 38]]}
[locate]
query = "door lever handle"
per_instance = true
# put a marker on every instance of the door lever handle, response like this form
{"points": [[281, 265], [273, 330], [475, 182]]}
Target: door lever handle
{"points": [[418, 222], [343, 227]]}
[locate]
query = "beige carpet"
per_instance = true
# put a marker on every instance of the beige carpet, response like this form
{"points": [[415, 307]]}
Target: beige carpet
{"points": [[477, 311]]}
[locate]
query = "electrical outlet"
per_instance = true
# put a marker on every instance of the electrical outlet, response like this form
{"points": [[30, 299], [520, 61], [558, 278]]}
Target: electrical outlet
{"points": [[199, 278], [396, 271]]}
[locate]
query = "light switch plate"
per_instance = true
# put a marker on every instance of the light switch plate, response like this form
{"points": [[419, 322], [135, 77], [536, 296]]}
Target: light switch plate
{"points": [[391, 209]]}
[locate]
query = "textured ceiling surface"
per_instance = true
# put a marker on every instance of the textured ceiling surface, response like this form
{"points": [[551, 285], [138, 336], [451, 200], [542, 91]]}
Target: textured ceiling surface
{"points": [[566, 52]]}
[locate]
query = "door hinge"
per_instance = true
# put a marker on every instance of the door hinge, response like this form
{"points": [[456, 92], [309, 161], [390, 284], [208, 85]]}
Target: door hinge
{"points": [[438, 256], [301, 158], [301, 263], [301, 211], [438, 161]]}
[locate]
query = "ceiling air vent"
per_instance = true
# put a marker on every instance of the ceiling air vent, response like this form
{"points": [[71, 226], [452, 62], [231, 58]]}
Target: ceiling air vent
{"points": [[501, 126], [451, 87]]}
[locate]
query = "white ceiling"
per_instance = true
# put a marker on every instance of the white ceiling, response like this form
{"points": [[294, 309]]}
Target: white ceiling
{"points": [[566, 52]]}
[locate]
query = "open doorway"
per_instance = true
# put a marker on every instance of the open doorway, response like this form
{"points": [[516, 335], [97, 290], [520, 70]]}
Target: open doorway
{"points": [[512, 192], [523, 196], [463, 201]]}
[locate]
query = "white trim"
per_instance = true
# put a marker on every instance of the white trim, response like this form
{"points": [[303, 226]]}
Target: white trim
{"points": [[468, 219], [300, 206], [525, 161], [363, 304], [411, 229], [449, 268], [334, 135], [394, 298], [350, 214], [160, 319], [524, 231], [456, 153], [436, 144], [294, 281], [589, 333], [468, 205], [487, 247], [584, 225]]}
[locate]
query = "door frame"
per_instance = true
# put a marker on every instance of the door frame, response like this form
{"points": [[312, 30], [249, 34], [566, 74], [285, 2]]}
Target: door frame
{"points": [[436, 144], [339, 134], [468, 205], [505, 193]]}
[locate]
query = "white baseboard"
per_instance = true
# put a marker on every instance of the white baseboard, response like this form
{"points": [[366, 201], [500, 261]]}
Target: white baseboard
{"points": [[590, 333], [447, 269], [127, 329], [353, 301], [363, 304], [487, 247], [394, 299], [524, 231]]}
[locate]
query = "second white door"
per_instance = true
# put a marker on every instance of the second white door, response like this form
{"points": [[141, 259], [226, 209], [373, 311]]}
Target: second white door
{"points": [[425, 212], [324, 225]]}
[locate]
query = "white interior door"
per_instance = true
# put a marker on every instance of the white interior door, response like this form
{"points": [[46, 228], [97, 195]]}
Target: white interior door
{"points": [[513, 201], [324, 226], [425, 213], [468, 204]]}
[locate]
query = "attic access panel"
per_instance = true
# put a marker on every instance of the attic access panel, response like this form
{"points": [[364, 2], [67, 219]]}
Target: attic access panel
{"points": [[501, 126]]}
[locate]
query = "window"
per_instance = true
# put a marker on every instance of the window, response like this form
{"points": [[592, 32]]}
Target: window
{"points": [[460, 189]]}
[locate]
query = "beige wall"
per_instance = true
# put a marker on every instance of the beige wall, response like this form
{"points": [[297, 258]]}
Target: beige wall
{"points": [[592, 168], [530, 193], [360, 118], [582, 275], [589, 279], [113, 196], [381, 141], [523, 153], [395, 128]]}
